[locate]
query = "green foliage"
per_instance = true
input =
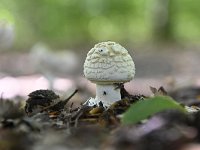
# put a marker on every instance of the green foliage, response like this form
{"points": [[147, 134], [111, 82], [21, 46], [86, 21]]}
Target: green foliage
{"points": [[73, 22], [148, 107]]}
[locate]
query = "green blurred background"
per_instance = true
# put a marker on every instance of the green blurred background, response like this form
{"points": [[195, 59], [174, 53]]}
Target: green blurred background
{"points": [[49, 39], [78, 23]]}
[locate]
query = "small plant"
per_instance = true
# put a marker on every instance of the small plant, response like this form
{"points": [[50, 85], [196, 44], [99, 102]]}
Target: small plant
{"points": [[143, 109]]}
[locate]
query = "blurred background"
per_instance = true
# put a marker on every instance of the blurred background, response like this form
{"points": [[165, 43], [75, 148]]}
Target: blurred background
{"points": [[43, 43]]}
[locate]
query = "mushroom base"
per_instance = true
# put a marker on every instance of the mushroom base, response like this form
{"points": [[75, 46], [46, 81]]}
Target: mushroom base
{"points": [[105, 93]]}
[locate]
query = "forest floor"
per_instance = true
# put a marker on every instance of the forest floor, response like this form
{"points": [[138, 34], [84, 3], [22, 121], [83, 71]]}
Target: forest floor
{"points": [[169, 68], [76, 126]]}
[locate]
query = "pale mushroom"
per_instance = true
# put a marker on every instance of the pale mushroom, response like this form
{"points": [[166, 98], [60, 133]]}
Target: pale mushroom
{"points": [[7, 33], [106, 64]]}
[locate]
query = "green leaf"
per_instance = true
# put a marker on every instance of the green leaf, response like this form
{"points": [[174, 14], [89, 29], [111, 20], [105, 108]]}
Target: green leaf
{"points": [[148, 107]]}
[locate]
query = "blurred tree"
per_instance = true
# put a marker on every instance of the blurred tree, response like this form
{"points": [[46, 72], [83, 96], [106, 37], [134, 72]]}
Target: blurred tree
{"points": [[162, 14]]}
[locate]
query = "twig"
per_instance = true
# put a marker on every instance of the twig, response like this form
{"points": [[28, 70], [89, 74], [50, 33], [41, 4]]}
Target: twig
{"points": [[63, 103]]}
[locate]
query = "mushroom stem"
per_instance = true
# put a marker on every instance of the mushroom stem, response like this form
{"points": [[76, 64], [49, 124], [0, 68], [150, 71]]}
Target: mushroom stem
{"points": [[107, 94]]}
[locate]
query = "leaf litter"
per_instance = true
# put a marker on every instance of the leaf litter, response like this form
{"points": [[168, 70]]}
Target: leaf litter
{"points": [[48, 122]]}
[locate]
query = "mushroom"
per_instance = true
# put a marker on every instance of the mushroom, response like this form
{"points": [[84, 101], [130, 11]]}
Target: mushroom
{"points": [[107, 64]]}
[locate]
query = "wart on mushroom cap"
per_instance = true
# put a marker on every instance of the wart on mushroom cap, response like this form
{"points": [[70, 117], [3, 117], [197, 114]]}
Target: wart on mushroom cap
{"points": [[106, 64]]}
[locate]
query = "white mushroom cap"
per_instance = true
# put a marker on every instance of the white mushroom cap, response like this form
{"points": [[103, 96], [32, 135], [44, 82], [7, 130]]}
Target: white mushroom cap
{"points": [[109, 62]]}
